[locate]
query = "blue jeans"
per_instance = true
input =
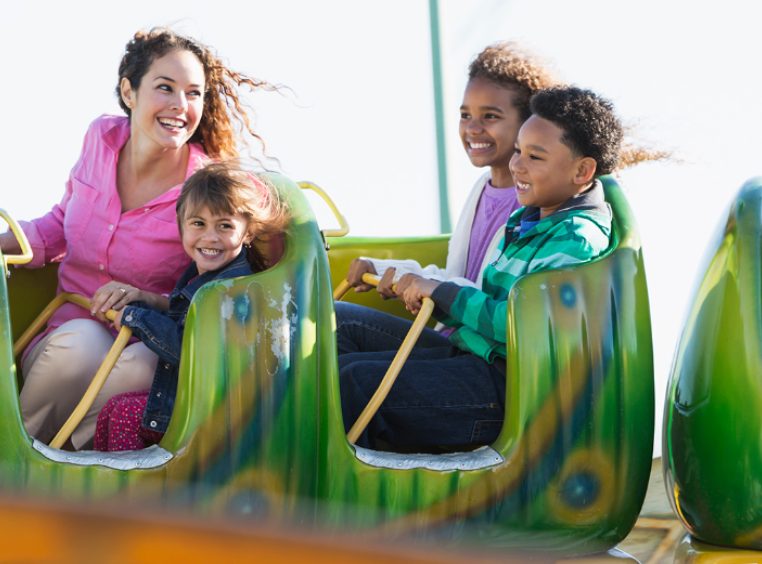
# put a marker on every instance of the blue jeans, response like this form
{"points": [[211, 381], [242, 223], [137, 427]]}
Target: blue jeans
{"points": [[443, 397], [363, 329]]}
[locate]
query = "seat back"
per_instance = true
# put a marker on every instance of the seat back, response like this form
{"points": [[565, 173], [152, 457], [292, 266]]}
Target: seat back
{"points": [[713, 410]]}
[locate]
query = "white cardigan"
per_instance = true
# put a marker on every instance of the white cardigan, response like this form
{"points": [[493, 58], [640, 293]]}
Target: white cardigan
{"points": [[457, 250]]}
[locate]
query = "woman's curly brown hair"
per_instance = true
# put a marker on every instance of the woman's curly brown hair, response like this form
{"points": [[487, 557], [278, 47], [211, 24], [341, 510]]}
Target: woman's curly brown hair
{"points": [[222, 103], [507, 65]]}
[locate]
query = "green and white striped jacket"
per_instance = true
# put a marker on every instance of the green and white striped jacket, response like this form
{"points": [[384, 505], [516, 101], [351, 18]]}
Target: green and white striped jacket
{"points": [[577, 232]]}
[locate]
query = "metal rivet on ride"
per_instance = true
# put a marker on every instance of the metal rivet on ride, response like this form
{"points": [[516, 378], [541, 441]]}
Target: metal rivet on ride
{"points": [[153, 423]]}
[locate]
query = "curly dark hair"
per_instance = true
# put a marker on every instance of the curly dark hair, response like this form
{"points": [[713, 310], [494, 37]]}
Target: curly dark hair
{"points": [[507, 65], [221, 101], [591, 128]]}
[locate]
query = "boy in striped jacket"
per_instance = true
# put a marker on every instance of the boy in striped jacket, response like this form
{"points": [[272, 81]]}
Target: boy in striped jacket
{"points": [[451, 392]]}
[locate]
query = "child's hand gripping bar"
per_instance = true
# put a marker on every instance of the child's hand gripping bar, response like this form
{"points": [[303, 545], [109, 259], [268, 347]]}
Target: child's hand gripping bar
{"points": [[398, 362], [100, 376]]}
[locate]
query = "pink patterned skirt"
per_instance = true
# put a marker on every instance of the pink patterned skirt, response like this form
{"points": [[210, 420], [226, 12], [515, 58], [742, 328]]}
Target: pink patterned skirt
{"points": [[118, 426]]}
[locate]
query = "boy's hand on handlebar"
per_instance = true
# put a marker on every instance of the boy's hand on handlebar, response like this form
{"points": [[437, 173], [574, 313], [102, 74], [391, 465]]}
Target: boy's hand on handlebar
{"points": [[357, 268], [113, 295], [412, 288]]}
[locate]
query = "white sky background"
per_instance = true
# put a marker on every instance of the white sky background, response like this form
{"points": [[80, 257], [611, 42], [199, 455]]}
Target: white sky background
{"points": [[360, 119]]}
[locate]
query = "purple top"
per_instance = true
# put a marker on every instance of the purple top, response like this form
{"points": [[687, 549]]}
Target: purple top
{"points": [[494, 208]]}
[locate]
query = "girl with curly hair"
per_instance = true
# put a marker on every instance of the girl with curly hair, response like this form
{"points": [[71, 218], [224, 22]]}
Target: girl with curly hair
{"points": [[501, 81]]}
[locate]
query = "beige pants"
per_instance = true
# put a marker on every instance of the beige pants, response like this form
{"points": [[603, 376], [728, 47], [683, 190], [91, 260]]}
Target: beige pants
{"points": [[59, 368]]}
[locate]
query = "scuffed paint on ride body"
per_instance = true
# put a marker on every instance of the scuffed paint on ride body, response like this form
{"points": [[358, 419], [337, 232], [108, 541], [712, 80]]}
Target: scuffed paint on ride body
{"points": [[713, 409], [258, 431]]}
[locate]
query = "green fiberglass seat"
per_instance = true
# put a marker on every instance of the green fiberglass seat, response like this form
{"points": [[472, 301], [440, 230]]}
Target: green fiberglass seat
{"points": [[570, 468], [713, 410], [258, 431]]}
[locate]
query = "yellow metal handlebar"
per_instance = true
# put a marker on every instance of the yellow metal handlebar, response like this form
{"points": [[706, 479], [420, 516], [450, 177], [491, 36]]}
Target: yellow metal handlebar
{"points": [[26, 249], [427, 308], [343, 225], [344, 286], [104, 370]]}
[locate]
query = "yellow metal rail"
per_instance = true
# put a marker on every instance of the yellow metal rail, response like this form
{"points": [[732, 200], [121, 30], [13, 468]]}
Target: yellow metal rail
{"points": [[26, 249], [100, 376], [343, 225], [398, 362]]}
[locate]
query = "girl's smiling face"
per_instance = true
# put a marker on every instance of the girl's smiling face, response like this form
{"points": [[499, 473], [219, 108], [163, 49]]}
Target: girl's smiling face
{"points": [[545, 169], [213, 240], [489, 124], [167, 106]]}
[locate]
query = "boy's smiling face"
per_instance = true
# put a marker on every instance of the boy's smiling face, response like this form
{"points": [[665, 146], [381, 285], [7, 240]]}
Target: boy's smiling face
{"points": [[546, 171]]}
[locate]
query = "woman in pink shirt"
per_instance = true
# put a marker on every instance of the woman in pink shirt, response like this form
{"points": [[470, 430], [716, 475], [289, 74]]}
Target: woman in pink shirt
{"points": [[115, 230]]}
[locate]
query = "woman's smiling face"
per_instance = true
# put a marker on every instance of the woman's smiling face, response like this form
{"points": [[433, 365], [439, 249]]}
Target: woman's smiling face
{"points": [[167, 106]]}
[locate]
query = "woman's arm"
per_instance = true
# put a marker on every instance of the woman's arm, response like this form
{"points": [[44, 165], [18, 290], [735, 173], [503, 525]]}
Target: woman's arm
{"points": [[9, 244]]}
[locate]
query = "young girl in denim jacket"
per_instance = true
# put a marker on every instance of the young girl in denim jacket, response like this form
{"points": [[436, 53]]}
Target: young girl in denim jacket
{"points": [[220, 211]]}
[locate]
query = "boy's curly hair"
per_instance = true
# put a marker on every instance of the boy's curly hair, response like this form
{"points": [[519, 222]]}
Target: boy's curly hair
{"points": [[591, 128], [507, 65]]}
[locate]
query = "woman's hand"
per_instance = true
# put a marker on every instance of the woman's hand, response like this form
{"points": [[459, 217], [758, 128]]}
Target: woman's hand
{"points": [[412, 288], [113, 295], [357, 268]]}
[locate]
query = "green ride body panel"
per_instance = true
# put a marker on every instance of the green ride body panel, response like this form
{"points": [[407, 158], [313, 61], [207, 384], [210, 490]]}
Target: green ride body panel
{"points": [[713, 410], [258, 431]]}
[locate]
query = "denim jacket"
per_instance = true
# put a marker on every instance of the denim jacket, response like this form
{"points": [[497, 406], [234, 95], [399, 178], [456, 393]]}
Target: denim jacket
{"points": [[162, 332]]}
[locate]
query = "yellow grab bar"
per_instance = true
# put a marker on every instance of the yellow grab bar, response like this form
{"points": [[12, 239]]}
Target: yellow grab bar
{"points": [[344, 285], [427, 308], [100, 376], [26, 249], [343, 225]]}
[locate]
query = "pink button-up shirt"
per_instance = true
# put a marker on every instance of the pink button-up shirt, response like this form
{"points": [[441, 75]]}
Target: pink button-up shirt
{"points": [[94, 240]]}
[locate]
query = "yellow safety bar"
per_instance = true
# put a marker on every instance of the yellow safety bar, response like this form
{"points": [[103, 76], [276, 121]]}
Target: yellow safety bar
{"points": [[343, 225], [100, 376], [427, 308], [26, 249]]}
